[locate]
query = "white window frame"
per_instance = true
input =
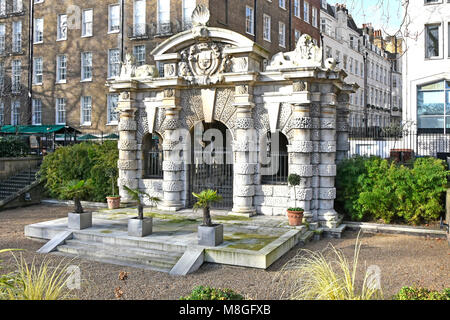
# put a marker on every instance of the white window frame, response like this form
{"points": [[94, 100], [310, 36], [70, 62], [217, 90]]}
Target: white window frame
{"points": [[140, 62], [110, 25], [267, 27], [38, 71], [282, 34], [60, 35], [112, 117], [84, 67], [112, 74], [15, 112], [249, 20], [297, 9], [60, 112], [314, 17], [37, 113], [17, 36], [2, 38], [60, 68], [38, 36], [83, 115], [84, 24], [306, 15]]}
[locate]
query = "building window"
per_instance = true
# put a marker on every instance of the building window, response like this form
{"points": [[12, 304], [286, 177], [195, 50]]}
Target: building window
{"points": [[87, 23], [61, 68], [249, 20], [139, 53], [345, 62], [2, 38], [112, 108], [62, 27], [2, 114], [306, 11], [17, 36], [282, 4], [282, 35], [86, 110], [297, 35], [113, 63], [60, 111], [3, 8], [433, 106], [139, 23], [153, 156], [114, 18], [15, 112], [314, 17], [432, 40], [37, 71], [86, 66], [16, 74], [2, 76], [188, 8], [297, 8], [164, 17], [267, 29], [38, 30], [37, 112]]}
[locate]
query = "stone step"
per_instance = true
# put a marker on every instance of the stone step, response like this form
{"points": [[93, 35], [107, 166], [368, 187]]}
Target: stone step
{"points": [[306, 237], [130, 242], [160, 260]]}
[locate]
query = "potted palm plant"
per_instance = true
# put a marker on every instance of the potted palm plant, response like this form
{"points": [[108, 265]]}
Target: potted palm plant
{"points": [[77, 190], [295, 215], [209, 234], [114, 199], [140, 226]]}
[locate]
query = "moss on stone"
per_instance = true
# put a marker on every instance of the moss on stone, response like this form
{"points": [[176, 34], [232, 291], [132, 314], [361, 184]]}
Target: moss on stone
{"points": [[249, 241], [230, 218], [106, 231]]}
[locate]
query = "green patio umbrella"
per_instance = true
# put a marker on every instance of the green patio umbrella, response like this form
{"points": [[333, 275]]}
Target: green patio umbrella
{"points": [[87, 137], [112, 136]]}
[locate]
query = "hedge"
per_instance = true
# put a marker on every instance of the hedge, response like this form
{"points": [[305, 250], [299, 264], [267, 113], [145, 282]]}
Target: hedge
{"points": [[376, 189], [84, 161], [13, 147]]}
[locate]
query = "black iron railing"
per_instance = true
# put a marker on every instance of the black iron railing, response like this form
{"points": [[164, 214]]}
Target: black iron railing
{"points": [[153, 165], [139, 31], [277, 171]]}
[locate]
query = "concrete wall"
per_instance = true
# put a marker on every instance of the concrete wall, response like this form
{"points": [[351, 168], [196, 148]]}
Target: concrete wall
{"points": [[12, 166]]}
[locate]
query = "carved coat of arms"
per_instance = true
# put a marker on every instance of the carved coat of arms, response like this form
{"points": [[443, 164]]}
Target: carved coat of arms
{"points": [[203, 63]]}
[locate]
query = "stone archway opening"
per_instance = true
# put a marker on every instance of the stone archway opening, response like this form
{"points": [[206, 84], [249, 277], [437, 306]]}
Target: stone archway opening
{"points": [[211, 165]]}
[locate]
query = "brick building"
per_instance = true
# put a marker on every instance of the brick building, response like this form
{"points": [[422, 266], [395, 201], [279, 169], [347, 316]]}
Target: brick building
{"points": [[78, 46]]}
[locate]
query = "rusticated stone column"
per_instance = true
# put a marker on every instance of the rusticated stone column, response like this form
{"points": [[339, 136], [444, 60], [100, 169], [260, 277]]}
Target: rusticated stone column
{"points": [[127, 145], [315, 156], [328, 217], [245, 153], [173, 164], [342, 127], [300, 149]]}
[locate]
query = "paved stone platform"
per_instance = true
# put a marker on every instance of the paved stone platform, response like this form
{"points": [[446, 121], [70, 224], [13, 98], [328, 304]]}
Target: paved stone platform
{"points": [[250, 242]]}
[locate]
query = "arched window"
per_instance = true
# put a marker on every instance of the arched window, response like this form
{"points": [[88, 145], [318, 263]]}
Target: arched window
{"points": [[152, 156], [274, 168]]}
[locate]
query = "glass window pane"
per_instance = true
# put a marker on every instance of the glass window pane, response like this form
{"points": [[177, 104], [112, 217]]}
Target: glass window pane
{"points": [[431, 122], [430, 103], [432, 41]]}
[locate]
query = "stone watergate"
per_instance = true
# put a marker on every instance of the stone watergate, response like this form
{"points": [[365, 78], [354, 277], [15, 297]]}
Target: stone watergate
{"points": [[214, 75]]}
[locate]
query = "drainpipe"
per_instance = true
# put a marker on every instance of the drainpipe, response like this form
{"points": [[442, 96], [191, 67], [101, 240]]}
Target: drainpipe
{"points": [[122, 26], [255, 18], [30, 61], [366, 120], [290, 25]]}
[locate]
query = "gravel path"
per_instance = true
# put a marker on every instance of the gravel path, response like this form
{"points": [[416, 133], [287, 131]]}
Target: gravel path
{"points": [[403, 260]]}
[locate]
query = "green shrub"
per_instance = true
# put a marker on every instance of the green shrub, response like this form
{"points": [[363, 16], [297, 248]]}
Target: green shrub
{"points": [[207, 293], [81, 162], [412, 293], [13, 146], [372, 188]]}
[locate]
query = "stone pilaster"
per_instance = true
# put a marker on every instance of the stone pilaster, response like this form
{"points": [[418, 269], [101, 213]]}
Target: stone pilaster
{"points": [[173, 164], [342, 127], [300, 150], [128, 163], [245, 153], [327, 216]]}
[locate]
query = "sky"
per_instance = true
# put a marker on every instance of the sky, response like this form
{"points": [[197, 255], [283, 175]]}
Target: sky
{"points": [[384, 14]]}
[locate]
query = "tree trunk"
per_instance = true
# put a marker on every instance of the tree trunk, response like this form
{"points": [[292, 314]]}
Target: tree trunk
{"points": [[140, 212], [206, 217], [78, 207]]}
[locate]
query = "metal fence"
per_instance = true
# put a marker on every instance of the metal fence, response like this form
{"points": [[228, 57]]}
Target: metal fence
{"points": [[280, 167], [153, 165], [399, 145]]}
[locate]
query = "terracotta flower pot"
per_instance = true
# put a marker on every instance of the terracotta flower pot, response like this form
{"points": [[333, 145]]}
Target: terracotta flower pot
{"points": [[295, 218], [113, 202]]}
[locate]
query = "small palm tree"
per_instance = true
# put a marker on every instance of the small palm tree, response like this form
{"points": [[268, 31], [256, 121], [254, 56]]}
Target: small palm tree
{"points": [[136, 195], [205, 199], [76, 190]]}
